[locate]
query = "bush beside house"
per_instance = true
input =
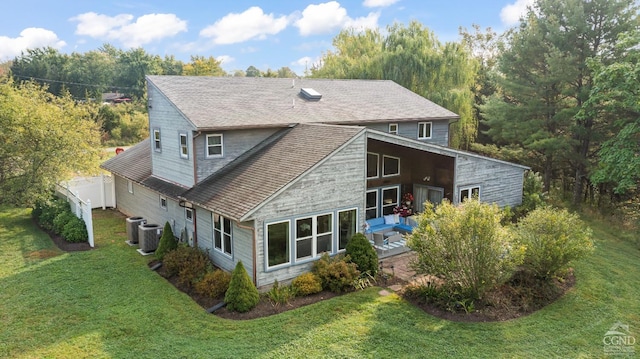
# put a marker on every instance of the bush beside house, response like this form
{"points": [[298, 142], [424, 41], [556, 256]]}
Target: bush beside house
{"points": [[361, 252], [242, 295]]}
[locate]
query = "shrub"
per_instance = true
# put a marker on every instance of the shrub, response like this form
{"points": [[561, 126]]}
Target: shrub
{"points": [[335, 274], [75, 230], [307, 284], [214, 284], [167, 242], [465, 245], [533, 195], [362, 253], [61, 220], [190, 264], [280, 294], [553, 238], [49, 210], [242, 295]]}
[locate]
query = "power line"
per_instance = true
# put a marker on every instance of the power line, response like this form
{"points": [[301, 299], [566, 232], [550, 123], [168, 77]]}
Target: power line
{"points": [[73, 83]]}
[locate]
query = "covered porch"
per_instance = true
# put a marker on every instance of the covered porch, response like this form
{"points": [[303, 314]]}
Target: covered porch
{"points": [[399, 181]]}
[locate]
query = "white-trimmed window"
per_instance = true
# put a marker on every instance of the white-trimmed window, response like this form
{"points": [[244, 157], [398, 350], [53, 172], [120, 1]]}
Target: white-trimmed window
{"points": [[188, 214], [214, 146], [222, 238], [314, 236], [130, 186], [184, 145], [469, 192], [424, 130], [278, 242], [390, 166], [347, 226], [372, 165], [393, 128], [371, 203], [390, 199], [157, 146], [163, 202]]}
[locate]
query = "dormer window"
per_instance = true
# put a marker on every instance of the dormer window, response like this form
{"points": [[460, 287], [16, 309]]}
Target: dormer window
{"points": [[184, 146], [214, 146]]}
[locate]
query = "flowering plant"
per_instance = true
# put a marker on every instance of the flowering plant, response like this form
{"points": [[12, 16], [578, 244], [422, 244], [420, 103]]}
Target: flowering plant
{"points": [[403, 210], [407, 197]]}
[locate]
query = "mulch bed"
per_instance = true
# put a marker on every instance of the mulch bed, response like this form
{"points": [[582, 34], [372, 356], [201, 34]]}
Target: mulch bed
{"points": [[62, 244], [504, 303], [263, 309]]}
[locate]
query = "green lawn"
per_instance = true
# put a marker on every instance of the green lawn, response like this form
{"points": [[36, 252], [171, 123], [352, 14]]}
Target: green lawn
{"points": [[107, 303]]}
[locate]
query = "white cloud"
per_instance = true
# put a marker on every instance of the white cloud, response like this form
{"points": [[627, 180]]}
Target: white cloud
{"points": [[327, 17], [378, 3], [98, 25], [145, 29], [361, 23], [225, 59], [30, 38], [303, 64], [253, 23], [510, 14]]}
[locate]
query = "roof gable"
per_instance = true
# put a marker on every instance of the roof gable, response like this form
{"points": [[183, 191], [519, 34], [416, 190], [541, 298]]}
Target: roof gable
{"points": [[239, 190], [236, 102]]}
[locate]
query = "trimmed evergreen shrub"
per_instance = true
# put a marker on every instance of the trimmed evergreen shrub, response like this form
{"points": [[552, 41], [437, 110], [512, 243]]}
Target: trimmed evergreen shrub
{"points": [[214, 284], [307, 284], [242, 295], [167, 242], [362, 253], [336, 274], [75, 230]]}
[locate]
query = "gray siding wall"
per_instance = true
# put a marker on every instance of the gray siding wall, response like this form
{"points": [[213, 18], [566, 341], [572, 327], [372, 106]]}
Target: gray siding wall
{"points": [[167, 163], [499, 183], [242, 242], [439, 130], [234, 144], [337, 184], [145, 203]]}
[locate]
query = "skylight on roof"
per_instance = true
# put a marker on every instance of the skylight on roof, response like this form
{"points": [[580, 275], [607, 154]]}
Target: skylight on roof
{"points": [[310, 94]]}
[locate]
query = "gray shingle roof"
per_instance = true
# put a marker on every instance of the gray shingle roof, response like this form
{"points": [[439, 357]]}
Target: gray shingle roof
{"points": [[235, 102], [135, 164], [248, 183]]}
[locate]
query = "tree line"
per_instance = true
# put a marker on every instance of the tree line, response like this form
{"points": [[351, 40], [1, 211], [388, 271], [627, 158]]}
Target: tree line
{"points": [[109, 69], [558, 93]]}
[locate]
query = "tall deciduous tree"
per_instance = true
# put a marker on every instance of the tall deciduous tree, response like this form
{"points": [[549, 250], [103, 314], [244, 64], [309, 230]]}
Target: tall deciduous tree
{"points": [[201, 66], [616, 95], [414, 58], [44, 139]]}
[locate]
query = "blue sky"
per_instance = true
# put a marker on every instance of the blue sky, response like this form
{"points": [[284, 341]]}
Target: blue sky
{"points": [[265, 34]]}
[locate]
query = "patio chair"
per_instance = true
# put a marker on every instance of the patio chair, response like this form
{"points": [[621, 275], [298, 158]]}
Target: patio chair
{"points": [[380, 242]]}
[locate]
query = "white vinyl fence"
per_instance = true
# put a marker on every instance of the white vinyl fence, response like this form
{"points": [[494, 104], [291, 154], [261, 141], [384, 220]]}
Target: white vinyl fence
{"points": [[98, 191]]}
